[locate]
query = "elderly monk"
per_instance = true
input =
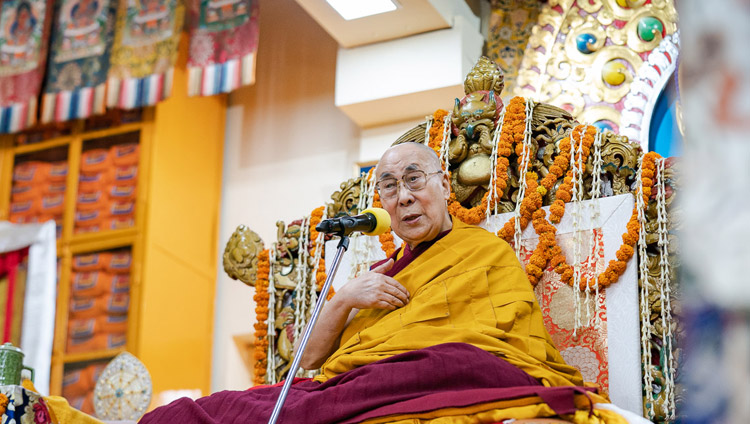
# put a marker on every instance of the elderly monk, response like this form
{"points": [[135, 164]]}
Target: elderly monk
{"points": [[452, 283], [447, 329]]}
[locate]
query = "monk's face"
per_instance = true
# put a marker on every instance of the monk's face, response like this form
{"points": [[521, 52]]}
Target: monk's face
{"points": [[421, 215]]}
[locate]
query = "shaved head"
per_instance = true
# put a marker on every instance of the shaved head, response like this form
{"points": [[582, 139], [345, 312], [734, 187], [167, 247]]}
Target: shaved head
{"points": [[429, 158]]}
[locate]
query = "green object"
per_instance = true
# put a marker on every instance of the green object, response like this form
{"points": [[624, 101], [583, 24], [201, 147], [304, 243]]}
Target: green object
{"points": [[648, 27], [11, 365]]}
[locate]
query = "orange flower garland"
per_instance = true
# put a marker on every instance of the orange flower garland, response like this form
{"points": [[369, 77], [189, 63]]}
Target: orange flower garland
{"points": [[617, 266], [546, 248], [563, 194], [320, 277], [386, 239], [261, 314], [533, 199], [530, 204], [436, 131]]}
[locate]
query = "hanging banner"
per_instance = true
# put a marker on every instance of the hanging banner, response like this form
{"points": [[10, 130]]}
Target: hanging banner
{"points": [[79, 59], [24, 31], [147, 35], [223, 41]]}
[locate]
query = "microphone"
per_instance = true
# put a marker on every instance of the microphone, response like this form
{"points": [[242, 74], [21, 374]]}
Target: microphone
{"points": [[372, 222]]}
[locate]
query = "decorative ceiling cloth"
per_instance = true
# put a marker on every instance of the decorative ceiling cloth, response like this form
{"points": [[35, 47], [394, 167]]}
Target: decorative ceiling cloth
{"points": [[38, 320], [223, 41], [24, 32], [79, 59], [147, 35]]}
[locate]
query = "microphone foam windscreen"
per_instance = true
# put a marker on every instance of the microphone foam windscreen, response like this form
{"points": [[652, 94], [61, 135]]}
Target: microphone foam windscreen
{"points": [[382, 218]]}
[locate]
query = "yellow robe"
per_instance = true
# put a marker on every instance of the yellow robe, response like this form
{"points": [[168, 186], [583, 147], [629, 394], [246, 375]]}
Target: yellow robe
{"points": [[468, 287]]}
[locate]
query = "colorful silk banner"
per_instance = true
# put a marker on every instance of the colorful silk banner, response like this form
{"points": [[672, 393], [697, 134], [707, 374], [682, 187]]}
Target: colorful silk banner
{"points": [[24, 32], [147, 35], [223, 40], [79, 59]]}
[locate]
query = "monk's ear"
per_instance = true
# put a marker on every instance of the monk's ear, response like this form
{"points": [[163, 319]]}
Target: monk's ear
{"points": [[446, 184]]}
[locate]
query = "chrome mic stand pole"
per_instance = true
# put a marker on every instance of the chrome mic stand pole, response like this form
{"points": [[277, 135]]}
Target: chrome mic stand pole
{"points": [[341, 248]]}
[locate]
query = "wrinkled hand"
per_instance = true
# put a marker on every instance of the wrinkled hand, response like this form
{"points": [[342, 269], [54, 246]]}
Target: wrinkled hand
{"points": [[372, 290]]}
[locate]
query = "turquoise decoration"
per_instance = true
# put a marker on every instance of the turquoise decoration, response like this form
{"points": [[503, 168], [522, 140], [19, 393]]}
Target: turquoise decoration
{"points": [[648, 27], [585, 43], [603, 125]]}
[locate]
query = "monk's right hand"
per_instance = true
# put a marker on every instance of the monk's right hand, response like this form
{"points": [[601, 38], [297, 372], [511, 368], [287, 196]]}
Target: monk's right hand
{"points": [[373, 289]]}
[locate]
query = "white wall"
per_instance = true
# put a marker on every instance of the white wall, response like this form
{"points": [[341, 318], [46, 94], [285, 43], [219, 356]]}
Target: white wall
{"points": [[287, 149]]}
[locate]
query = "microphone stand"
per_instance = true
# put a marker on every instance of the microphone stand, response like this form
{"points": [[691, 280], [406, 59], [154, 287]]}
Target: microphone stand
{"points": [[341, 248]]}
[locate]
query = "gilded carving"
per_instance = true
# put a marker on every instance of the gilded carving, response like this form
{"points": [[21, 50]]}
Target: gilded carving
{"points": [[474, 119], [240, 257], [290, 268], [284, 326], [344, 201], [510, 25], [620, 162], [585, 54]]}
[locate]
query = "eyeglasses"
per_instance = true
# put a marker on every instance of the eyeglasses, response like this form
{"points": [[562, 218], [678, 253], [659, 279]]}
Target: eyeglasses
{"points": [[413, 180]]}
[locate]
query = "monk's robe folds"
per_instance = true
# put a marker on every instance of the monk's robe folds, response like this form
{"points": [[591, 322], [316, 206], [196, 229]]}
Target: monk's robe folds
{"points": [[468, 287]]}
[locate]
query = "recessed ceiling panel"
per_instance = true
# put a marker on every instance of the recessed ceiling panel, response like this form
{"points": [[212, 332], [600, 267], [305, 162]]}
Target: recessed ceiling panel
{"points": [[410, 17]]}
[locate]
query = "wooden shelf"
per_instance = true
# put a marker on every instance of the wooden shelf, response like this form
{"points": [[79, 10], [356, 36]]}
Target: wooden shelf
{"points": [[43, 145], [102, 240], [107, 132], [70, 358], [70, 244]]}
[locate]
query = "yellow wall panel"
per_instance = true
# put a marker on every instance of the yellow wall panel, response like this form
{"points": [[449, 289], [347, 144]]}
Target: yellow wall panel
{"points": [[185, 189], [181, 238], [176, 324]]}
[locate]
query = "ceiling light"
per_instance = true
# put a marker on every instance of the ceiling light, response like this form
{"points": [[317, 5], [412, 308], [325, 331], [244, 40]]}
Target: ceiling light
{"points": [[355, 9]]}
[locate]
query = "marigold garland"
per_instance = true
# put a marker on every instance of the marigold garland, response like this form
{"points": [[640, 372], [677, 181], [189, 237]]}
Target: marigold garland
{"points": [[530, 204], [562, 161], [386, 238], [320, 276], [436, 131], [616, 267], [547, 250], [261, 314]]}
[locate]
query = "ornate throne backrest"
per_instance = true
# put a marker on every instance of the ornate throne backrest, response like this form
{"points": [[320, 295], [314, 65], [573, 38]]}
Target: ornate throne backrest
{"points": [[602, 340]]}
